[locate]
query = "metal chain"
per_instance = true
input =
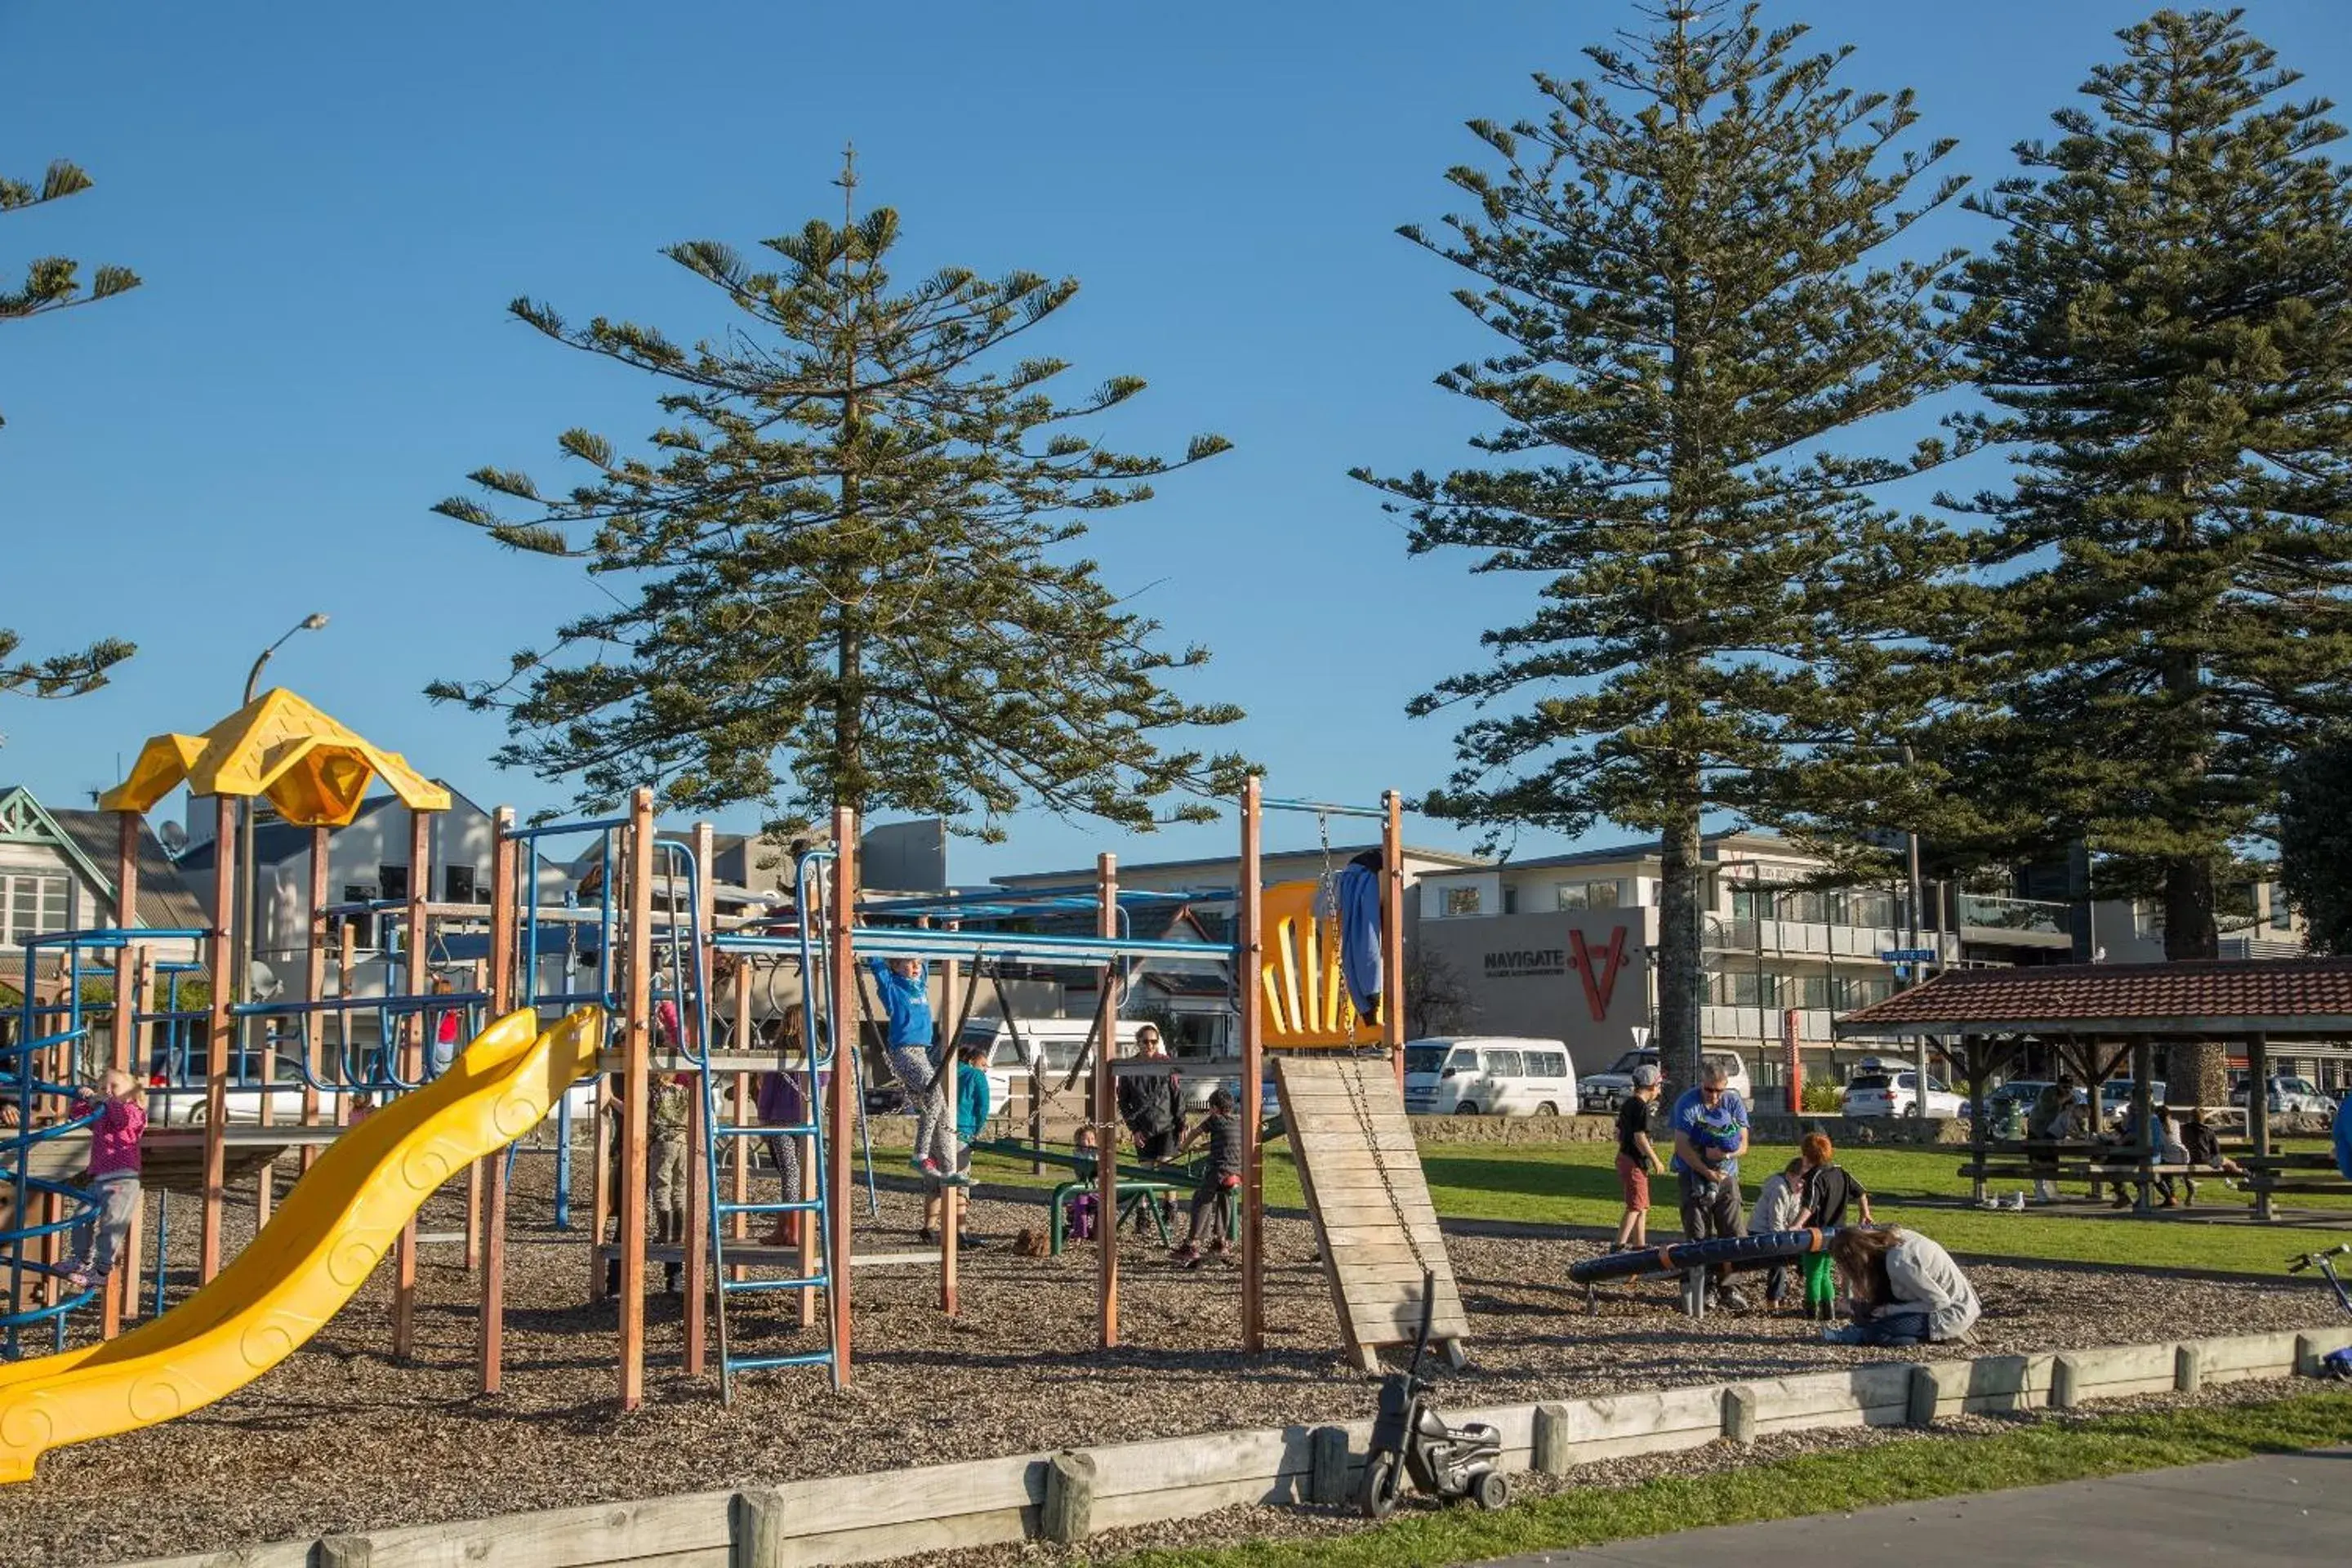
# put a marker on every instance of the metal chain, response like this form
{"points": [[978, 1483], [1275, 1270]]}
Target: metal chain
{"points": [[1362, 1105]]}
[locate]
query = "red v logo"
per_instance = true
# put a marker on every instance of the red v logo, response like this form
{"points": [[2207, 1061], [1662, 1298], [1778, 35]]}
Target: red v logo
{"points": [[1598, 989]]}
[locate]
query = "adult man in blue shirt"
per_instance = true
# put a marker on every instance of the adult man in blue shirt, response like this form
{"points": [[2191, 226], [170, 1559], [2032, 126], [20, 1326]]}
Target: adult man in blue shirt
{"points": [[1710, 1127]]}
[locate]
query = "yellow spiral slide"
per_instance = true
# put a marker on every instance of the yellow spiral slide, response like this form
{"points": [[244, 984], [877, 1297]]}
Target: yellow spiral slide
{"points": [[323, 1242]]}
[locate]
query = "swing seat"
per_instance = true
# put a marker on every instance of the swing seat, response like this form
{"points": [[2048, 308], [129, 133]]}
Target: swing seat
{"points": [[1302, 999]]}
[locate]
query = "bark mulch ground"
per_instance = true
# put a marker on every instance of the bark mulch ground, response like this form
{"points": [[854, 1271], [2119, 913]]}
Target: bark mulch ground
{"points": [[342, 1439]]}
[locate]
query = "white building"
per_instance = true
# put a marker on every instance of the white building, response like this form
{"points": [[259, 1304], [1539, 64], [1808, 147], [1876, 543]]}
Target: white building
{"points": [[56, 873]]}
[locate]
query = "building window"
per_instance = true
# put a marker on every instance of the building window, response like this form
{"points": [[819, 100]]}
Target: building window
{"points": [[1461, 902], [33, 903], [2281, 912], [393, 881], [458, 884], [1602, 895], [1854, 992], [1510, 901]]}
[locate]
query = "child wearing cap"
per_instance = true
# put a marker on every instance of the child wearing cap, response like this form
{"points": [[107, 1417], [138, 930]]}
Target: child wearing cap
{"points": [[1637, 1158]]}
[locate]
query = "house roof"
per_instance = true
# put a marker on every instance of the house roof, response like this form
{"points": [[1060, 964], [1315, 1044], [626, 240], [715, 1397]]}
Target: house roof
{"points": [[166, 900], [87, 840], [2288, 998], [1647, 849]]}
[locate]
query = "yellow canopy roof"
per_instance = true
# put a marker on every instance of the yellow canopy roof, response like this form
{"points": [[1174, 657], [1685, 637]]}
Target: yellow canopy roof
{"points": [[312, 769]]}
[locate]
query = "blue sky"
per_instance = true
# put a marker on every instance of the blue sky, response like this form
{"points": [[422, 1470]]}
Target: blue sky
{"points": [[333, 205]]}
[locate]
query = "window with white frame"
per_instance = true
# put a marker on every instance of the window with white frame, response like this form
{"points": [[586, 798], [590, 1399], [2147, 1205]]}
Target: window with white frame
{"points": [[33, 903], [1600, 895]]}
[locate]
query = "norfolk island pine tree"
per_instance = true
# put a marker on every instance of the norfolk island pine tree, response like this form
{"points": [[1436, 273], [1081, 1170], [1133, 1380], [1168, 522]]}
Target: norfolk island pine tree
{"points": [[846, 563], [54, 283], [2171, 349], [1688, 260]]}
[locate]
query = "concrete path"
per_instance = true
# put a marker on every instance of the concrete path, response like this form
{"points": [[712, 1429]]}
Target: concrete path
{"points": [[2279, 1509]]}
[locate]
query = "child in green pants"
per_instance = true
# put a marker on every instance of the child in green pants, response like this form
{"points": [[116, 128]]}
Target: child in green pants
{"points": [[1830, 1190]]}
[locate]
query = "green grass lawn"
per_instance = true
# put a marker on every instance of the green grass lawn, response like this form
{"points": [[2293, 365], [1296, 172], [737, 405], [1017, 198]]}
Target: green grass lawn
{"points": [[1576, 1184], [2039, 1454]]}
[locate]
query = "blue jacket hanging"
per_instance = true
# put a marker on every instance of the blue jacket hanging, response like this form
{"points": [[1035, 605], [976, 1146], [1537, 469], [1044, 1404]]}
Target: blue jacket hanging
{"points": [[1360, 933]]}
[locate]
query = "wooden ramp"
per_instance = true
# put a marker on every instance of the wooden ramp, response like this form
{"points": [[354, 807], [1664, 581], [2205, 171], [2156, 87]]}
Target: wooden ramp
{"points": [[1371, 1202]]}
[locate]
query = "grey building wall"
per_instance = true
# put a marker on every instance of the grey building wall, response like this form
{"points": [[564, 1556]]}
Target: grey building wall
{"points": [[1524, 975]]}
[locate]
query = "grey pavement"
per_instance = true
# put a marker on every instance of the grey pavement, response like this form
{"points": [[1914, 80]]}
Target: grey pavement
{"points": [[2284, 1509]]}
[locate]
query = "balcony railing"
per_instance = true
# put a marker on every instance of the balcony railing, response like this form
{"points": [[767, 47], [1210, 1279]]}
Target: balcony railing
{"points": [[2040, 916], [1726, 1023], [1803, 939]]}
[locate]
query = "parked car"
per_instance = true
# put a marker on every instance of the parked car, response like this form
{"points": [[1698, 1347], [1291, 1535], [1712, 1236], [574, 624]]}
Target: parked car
{"points": [[176, 1092], [1602, 1092], [1481, 1075], [1049, 1046], [2115, 1098], [1884, 1091], [2296, 1097]]}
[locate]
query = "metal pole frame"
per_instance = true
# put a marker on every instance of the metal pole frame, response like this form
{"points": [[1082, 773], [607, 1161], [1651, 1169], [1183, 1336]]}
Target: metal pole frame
{"points": [[1249, 944]]}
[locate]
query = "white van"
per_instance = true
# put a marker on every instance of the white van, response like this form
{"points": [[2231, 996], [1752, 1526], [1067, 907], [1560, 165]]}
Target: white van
{"points": [[1050, 1046], [1489, 1075]]}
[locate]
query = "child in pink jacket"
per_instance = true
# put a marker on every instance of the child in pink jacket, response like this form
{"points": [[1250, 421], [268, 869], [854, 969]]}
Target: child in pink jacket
{"points": [[120, 1112]]}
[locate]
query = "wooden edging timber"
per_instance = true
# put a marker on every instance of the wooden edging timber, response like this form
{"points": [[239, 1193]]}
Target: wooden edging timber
{"points": [[984, 1503]]}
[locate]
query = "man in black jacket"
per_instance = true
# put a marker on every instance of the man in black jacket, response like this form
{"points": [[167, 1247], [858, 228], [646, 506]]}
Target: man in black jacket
{"points": [[1153, 1107]]}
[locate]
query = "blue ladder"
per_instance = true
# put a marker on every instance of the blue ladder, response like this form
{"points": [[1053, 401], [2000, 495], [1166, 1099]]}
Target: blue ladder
{"points": [[817, 1059]]}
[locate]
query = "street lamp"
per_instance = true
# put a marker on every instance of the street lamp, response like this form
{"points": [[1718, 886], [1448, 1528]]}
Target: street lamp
{"points": [[248, 895]]}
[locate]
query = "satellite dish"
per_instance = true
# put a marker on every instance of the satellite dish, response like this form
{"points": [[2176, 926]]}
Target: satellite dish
{"points": [[262, 984], [175, 837]]}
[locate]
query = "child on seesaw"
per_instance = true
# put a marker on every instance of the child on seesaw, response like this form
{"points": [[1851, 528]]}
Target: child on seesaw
{"points": [[1221, 1173]]}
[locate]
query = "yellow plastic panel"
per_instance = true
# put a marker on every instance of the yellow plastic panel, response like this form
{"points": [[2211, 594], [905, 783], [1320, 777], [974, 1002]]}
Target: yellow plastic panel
{"points": [[1302, 998], [315, 770]]}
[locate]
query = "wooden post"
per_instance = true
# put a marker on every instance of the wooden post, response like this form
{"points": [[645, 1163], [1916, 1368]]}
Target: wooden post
{"points": [[952, 1207], [698, 1196], [1249, 954], [117, 1302], [220, 1037], [1104, 1111], [134, 1240], [412, 1065], [2188, 1369], [489, 1360], [1973, 1054], [1740, 1413], [839, 1125], [1327, 1478], [1549, 1456], [763, 1523], [2066, 1382], [347, 960], [314, 990], [2258, 1120], [1393, 931], [1069, 1514], [2143, 1064], [636, 1090]]}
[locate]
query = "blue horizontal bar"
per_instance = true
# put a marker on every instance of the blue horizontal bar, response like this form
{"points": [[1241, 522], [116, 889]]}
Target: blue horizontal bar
{"points": [[875, 941], [115, 936], [404, 1002], [802, 1129], [557, 829], [761, 1362], [797, 1282], [792, 1206]]}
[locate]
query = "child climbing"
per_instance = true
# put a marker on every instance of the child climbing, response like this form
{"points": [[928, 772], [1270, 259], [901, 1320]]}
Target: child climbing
{"points": [[1830, 1190], [121, 1109], [970, 1121], [1777, 1204], [907, 998], [665, 1138], [1220, 1174]]}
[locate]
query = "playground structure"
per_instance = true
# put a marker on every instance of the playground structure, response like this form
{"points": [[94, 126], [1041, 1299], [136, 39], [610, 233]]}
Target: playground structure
{"points": [[674, 990]]}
